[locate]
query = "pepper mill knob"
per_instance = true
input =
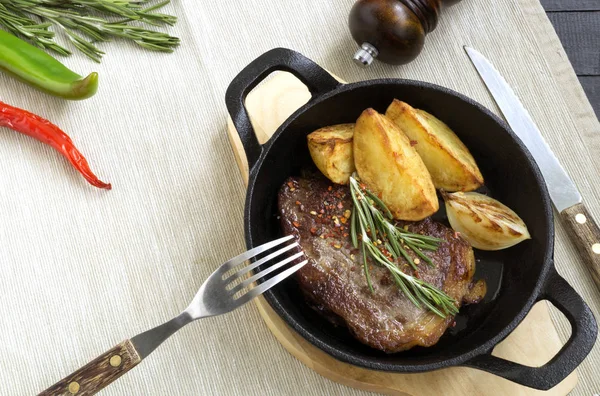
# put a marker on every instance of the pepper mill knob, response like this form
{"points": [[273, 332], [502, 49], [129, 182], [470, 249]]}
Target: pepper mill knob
{"points": [[393, 31], [366, 54]]}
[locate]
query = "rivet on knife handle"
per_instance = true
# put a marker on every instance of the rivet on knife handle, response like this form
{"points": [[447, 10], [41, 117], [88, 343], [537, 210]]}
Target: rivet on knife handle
{"points": [[586, 235], [98, 373]]}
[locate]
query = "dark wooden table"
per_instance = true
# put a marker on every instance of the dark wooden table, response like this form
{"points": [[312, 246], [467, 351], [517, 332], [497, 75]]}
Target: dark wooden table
{"points": [[577, 23]]}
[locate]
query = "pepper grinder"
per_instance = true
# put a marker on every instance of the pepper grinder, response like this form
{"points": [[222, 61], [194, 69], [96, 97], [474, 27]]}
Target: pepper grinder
{"points": [[393, 31]]}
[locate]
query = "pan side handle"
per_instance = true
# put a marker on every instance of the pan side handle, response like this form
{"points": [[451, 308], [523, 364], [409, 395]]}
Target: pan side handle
{"points": [[312, 75], [583, 335]]}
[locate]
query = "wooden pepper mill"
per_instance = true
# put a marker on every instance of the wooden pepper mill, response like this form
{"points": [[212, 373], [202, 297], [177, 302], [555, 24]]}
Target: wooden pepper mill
{"points": [[393, 31]]}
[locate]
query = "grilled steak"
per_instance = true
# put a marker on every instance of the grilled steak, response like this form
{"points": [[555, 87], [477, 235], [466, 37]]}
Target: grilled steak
{"points": [[318, 212]]}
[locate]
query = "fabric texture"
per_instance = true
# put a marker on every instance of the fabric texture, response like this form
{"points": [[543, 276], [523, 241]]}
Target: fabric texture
{"points": [[83, 269]]}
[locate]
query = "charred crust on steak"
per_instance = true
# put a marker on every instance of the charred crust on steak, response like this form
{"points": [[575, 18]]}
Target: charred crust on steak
{"points": [[317, 213]]}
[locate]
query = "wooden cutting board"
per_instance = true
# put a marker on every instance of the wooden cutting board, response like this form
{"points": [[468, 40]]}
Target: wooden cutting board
{"points": [[534, 341]]}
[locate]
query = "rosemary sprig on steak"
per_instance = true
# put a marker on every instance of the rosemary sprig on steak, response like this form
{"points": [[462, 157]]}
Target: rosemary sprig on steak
{"points": [[383, 242]]}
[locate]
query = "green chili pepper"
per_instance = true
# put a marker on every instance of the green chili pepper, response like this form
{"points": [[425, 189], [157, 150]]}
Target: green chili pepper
{"points": [[38, 69]]}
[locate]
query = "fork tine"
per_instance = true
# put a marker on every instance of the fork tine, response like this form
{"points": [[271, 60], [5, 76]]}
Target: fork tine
{"points": [[263, 287], [265, 272], [237, 260], [260, 262]]}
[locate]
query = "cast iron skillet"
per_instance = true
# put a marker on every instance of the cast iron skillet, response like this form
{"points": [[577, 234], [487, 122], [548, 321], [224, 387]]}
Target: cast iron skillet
{"points": [[517, 277]]}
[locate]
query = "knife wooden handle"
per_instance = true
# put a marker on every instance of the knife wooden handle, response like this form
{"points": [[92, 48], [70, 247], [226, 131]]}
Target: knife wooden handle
{"points": [[586, 235], [98, 373]]}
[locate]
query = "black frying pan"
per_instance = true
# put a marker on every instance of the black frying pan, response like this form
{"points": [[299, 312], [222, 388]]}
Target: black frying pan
{"points": [[517, 277]]}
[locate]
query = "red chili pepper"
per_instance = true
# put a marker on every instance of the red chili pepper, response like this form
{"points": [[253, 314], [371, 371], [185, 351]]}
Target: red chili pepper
{"points": [[46, 132]]}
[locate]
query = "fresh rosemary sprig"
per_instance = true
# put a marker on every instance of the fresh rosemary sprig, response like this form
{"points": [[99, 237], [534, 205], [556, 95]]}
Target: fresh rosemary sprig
{"points": [[87, 22], [371, 223]]}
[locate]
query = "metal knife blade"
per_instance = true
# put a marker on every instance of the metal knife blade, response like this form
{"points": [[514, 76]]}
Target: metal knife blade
{"points": [[563, 191]]}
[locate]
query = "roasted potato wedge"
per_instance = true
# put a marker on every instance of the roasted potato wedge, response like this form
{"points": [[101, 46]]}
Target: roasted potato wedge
{"points": [[392, 169], [331, 150], [448, 160]]}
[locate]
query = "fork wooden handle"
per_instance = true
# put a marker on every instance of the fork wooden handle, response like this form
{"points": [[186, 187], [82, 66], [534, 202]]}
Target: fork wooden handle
{"points": [[98, 373], [585, 233]]}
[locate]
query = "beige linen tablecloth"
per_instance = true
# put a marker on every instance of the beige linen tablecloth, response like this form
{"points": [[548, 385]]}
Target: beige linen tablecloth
{"points": [[82, 269]]}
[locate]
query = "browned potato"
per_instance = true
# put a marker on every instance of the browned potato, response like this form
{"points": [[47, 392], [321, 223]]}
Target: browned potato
{"points": [[448, 160], [331, 150], [391, 168]]}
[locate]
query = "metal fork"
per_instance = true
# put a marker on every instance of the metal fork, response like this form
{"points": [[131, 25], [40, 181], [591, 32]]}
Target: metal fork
{"points": [[221, 293]]}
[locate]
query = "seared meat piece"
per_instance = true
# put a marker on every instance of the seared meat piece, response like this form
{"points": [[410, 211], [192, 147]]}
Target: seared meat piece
{"points": [[318, 214]]}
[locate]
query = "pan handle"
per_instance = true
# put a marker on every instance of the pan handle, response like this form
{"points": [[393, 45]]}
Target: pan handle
{"points": [[312, 75], [583, 335]]}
